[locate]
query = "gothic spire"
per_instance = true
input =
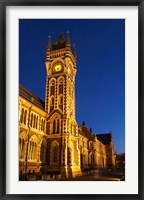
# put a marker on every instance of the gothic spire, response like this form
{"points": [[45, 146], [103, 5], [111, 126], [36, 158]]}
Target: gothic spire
{"points": [[49, 43], [67, 39], [83, 123]]}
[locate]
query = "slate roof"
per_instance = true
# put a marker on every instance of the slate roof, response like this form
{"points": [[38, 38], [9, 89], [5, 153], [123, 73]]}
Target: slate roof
{"points": [[83, 130], [25, 93], [104, 138]]}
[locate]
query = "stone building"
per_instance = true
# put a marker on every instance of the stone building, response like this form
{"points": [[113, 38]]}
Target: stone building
{"points": [[50, 140]]}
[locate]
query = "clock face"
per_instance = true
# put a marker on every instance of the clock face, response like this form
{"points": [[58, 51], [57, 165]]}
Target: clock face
{"points": [[57, 68]]}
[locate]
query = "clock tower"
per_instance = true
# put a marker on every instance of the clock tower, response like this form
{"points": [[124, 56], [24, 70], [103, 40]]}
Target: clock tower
{"points": [[62, 129]]}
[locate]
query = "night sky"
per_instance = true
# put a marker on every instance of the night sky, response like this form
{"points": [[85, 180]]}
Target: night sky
{"points": [[100, 79]]}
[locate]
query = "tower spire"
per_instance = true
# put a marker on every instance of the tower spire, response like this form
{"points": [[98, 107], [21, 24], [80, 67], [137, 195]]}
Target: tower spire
{"points": [[67, 39], [49, 43]]}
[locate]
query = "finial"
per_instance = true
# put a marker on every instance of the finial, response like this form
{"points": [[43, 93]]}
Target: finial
{"points": [[67, 39], [49, 43], [83, 123], [90, 129]]}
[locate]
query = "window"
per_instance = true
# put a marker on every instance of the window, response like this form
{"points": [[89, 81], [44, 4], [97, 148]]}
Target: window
{"points": [[52, 103], [54, 153], [25, 116], [52, 88], [61, 87], [22, 115], [31, 124], [21, 148], [32, 150], [42, 125], [36, 122], [43, 151], [61, 100], [56, 126]]}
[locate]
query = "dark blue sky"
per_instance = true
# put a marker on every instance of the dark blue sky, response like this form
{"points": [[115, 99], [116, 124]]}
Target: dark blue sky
{"points": [[100, 79]]}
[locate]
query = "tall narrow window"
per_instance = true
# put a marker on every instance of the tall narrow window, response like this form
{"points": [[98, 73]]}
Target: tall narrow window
{"points": [[29, 153], [25, 116], [52, 88], [54, 126], [58, 126], [31, 120], [60, 102], [61, 87], [21, 148], [35, 151], [44, 125], [34, 124], [52, 103], [22, 115], [43, 151]]}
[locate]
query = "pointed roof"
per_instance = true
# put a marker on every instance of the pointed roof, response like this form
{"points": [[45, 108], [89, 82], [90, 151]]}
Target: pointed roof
{"points": [[60, 40], [49, 42], [67, 39]]}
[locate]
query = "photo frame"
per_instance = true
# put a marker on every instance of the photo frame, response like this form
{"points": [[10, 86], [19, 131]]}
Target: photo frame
{"points": [[4, 92]]}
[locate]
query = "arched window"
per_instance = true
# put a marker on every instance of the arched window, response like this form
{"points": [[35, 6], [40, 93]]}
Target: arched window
{"points": [[54, 153], [54, 126], [34, 124], [35, 151], [52, 88], [44, 125], [61, 86], [43, 151], [21, 147], [25, 116], [61, 100], [52, 103], [22, 115], [58, 126], [31, 124], [91, 158], [32, 154]]}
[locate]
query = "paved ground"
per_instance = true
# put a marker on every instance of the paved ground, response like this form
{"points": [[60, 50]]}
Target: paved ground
{"points": [[98, 176], [101, 176], [93, 176]]}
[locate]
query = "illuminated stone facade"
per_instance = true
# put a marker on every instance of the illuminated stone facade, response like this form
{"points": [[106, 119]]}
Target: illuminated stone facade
{"points": [[50, 140]]}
